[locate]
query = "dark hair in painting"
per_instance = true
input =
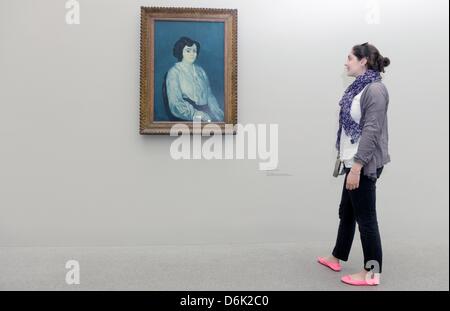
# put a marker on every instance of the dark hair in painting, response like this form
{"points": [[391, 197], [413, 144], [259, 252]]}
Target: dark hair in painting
{"points": [[181, 43], [375, 60]]}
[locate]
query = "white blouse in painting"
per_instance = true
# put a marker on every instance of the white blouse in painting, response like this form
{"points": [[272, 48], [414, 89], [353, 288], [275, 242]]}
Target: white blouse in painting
{"points": [[189, 90]]}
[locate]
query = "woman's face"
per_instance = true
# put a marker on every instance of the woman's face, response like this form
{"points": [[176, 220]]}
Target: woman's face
{"points": [[354, 66], [190, 53]]}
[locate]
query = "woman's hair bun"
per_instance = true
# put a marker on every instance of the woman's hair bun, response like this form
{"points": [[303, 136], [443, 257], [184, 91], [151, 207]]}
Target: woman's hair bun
{"points": [[375, 61]]}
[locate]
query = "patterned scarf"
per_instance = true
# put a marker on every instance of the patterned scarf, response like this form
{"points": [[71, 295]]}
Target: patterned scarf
{"points": [[352, 128]]}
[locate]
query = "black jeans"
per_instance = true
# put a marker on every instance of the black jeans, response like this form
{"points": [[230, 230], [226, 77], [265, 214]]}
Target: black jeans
{"points": [[358, 206]]}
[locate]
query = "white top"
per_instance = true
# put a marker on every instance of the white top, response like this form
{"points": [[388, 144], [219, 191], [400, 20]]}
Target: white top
{"points": [[190, 81], [347, 149]]}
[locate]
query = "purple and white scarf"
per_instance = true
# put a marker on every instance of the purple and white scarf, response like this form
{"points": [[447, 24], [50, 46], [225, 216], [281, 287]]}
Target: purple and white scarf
{"points": [[352, 128]]}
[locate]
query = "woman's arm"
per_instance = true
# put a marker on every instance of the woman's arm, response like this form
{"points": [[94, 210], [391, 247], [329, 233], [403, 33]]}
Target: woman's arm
{"points": [[375, 103], [376, 106], [212, 101]]}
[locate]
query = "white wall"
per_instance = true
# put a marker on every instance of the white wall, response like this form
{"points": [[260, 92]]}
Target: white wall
{"points": [[75, 171]]}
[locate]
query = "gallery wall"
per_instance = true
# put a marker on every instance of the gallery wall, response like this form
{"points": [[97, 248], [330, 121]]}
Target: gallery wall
{"points": [[75, 171]]}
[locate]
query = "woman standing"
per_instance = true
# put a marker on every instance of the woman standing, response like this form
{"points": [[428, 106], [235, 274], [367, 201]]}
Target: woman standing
{"points": [[362, 142]]}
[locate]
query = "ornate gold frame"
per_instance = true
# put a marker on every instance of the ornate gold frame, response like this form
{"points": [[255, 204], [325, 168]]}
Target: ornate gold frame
{"points": [[148, 15]]}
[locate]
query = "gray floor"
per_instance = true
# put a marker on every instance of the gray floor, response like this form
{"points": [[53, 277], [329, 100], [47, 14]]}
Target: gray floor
{"points": [[281, 266]]}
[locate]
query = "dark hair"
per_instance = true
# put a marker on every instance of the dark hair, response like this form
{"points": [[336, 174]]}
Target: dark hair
{"points": [[375, 60], [181, 43]]}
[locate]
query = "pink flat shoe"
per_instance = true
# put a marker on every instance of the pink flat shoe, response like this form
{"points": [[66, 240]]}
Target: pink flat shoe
{"points": [[347, 279], [333, 266]]}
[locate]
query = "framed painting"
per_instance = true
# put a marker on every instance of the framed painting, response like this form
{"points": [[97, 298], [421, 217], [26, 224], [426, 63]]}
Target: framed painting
{"points": [[188, 68]]}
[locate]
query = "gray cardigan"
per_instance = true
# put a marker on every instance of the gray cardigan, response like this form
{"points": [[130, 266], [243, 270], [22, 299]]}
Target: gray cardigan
{"points": [[373, 144]]}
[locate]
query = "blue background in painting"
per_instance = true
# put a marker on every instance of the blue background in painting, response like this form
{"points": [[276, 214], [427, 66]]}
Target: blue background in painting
{"points": [[210, 35]]}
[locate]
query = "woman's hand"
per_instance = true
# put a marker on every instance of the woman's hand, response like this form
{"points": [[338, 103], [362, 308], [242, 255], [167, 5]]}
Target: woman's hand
{"points": [[353, 177], [352, 181]]}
